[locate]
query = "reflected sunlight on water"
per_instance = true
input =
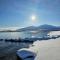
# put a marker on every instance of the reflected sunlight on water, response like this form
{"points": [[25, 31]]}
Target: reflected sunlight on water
{"points": [[26, 34]]}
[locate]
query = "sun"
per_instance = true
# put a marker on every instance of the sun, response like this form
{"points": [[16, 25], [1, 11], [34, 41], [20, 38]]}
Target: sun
{"points": [[33, 17]]}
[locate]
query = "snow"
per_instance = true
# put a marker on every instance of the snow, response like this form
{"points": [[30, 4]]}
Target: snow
{"points": [[54, 33], [45, 49], [49, 50]]}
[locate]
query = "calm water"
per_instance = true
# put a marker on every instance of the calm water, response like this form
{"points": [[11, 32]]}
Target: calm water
{"points": [[26, 34]]}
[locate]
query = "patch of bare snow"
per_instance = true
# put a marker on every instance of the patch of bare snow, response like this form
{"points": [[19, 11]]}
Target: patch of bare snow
{"points": [[48, 50]]}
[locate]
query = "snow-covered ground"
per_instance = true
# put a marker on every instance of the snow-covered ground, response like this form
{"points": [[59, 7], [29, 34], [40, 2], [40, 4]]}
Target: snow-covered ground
{"points": [[52, 33], [48, 50], [45, 49]]}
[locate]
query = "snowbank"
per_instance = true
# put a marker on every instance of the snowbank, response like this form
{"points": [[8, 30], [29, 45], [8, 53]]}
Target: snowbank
{"points": [[43, 50], [48, 50], [54, 33]]}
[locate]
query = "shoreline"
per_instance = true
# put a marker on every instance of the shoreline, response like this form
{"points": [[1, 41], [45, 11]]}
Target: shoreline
{"points": [[29, 40]]}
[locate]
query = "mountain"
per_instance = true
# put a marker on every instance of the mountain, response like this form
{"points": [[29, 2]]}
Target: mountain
{"points": [[47, 27], [30, 28], [41, 27], [34, 28]]}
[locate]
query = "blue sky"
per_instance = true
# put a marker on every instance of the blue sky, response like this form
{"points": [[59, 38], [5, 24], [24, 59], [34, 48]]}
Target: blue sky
{"points": [[17, 13]]}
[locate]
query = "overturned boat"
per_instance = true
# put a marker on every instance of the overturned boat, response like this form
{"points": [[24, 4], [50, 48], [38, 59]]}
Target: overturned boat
{"points": [[27, 53]]}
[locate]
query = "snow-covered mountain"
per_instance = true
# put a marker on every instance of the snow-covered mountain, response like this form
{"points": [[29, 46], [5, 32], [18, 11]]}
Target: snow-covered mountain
{"points": [[35, 28], [41, 27]]}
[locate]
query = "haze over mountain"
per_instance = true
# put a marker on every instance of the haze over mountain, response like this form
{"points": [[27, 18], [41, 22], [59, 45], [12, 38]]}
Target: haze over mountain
{"points": [[41, 27], [35, 28]]}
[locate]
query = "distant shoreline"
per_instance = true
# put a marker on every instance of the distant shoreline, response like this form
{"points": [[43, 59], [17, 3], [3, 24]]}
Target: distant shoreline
{"points": [[29, 30], [29, 40]]}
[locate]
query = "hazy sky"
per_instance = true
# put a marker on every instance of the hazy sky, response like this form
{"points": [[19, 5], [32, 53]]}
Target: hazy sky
{"points": [[18, 13]]}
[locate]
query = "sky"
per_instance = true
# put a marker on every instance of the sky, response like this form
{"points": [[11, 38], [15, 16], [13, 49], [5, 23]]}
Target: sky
{"points": [[18, 13]]}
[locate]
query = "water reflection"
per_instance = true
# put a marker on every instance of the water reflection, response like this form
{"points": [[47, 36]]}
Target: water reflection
{"points": [[26, 34]]}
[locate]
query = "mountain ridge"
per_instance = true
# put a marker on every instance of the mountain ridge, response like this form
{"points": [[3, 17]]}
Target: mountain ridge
{"points": [[41, 27], [35, 28]]}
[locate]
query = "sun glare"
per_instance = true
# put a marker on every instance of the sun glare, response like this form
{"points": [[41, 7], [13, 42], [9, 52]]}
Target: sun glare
{"points": [[33, 17]]}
